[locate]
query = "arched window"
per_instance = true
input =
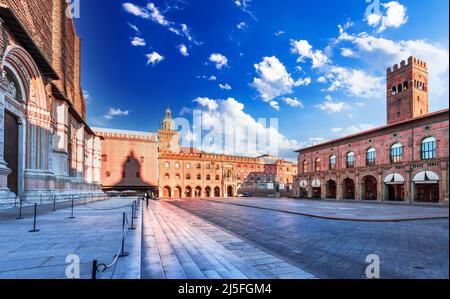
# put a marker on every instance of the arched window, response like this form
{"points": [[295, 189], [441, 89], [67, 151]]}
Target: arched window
{"points": [[207, 166], [188, 165], [333, 162], [188, 176], [104, 158], [208, 177], [199, 166], [394, 90], [217, 178], [199, 177], [405, 85], [396, 153], [108, 174], [15, 88], [400, 88], [305, 167], [317, 165], [166, 176], [429, 148], [350, 161], [142, 160], [217, 167], [177, 165], [177, 177], [167, 165], [371, 157]]}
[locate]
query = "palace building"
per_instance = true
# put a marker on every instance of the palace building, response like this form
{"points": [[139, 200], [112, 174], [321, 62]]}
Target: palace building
{"points": [[46, 147], [406, 160], [144, 162]]}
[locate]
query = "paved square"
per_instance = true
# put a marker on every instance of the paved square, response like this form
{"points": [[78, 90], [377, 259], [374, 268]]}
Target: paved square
{"points": [[335, 248]]}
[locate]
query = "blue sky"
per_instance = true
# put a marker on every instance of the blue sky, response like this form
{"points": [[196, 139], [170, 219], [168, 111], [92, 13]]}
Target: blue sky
{"points": [[317, 66]]}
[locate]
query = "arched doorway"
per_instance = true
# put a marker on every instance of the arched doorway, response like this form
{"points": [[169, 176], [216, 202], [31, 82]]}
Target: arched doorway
{"points": [[348, 186], [208, 192], [369, 188], [167, 192], [177, 193], [395, 187], [217, 192], [303, 189], [317, 189], [331, 188], [11, 150], [188, 192], [198, 192], [230, 192], [426, 184]]}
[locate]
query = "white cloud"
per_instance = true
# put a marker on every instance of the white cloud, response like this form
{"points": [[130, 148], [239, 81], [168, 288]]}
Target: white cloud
{"points": [[274, 80], [241, 25], [360, 104], [114, 112], [225, 86], [356, 82], [183, 50], [229, 121], [138, 41], [293, 102], [332, 106], [136, 10], [244, 5], [355, 129], [275, 105], [305, 50], [135, 28], [154, 58], [378, 51], [394, 16], [206, 102], [322, 79], [219, 60], [346, 52], [280, 32], [212, 78]]}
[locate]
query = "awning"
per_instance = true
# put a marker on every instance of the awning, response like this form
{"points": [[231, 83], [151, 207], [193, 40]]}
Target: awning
{"points": [[303, 184], [316, 183], [394, 179], [25, 40], [426, 177]]}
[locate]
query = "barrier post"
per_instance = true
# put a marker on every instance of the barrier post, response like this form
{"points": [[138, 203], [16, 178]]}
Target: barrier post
{"points": [[20, 210], [122, 251], [94, 269], [54, 202], [132, 218], [34, 230], [71, 215]]}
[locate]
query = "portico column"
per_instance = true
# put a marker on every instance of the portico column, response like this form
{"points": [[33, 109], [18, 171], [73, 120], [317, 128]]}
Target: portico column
{"points": [[4, 170], [444, 183]]}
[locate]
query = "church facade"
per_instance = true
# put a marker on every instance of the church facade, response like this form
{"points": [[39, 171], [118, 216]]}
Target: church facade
{"points": [[46, 147], [406, 160]]}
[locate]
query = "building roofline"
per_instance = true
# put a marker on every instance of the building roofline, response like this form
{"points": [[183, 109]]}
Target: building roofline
{"points": [[444, 111], [126, 132]]}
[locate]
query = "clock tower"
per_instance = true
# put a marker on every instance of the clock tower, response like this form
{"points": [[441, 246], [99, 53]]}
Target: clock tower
{"points": [[168, 137]]}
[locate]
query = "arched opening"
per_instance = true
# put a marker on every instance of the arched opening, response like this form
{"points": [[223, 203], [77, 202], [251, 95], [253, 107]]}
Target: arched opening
{"points": [[303, 189], [369, 188], [217, 192], [208, 192], [230, 192], [11, 150], [331, 189], [167, 192], [198, 192], [188, 192], [426, 184], [177, 193], [395, 187], [428, 148], [348, 187], [317, 189]]}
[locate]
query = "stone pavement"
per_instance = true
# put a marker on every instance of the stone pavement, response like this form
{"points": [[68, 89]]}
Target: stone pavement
{"points": [[95, 233], [355, 211], [179, 245], [334, 248]]}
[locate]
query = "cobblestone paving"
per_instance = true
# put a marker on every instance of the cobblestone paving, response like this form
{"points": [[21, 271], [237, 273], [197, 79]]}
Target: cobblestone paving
{"points": [[335, 248], [179, 245], [95, 233]]}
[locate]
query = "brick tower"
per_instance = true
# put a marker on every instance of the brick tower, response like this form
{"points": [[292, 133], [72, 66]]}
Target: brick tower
{"points": [[168, 137], [407, 90]]}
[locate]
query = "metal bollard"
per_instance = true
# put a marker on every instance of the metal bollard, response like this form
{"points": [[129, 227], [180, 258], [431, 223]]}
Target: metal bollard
{"points": [[72, 216], [94, 269], [135, 210], [20, 211], [54, 202], [132, 218], [122, 250], [34, 230]]}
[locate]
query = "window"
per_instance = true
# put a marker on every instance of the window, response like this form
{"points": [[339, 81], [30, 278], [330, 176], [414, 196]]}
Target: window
{"points": [[350, 162], [305, 167], [104, 158], [394, 90], [429, 148], [208, 166], [142, 160], [188, 165], [217, 178], [188, 177], [167, 165], [317, 165], [208, 177], [177, 177], [371, 157], [199, 177], [177, 165], [108, 174], [166, 176], [396, 153], [217, 167], [333, 162], [199, 166]]}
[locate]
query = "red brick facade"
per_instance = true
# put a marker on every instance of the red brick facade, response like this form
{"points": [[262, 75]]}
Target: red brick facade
{"points": [[407, 160]]}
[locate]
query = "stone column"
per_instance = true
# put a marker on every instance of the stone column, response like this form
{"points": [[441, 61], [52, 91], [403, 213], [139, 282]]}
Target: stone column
{"points": [[97, 160], [80, 152], [4, 170]]}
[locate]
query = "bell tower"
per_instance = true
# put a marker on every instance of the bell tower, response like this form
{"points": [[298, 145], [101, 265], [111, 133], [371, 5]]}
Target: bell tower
{"points": [[168, 138], [407, 90]]}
